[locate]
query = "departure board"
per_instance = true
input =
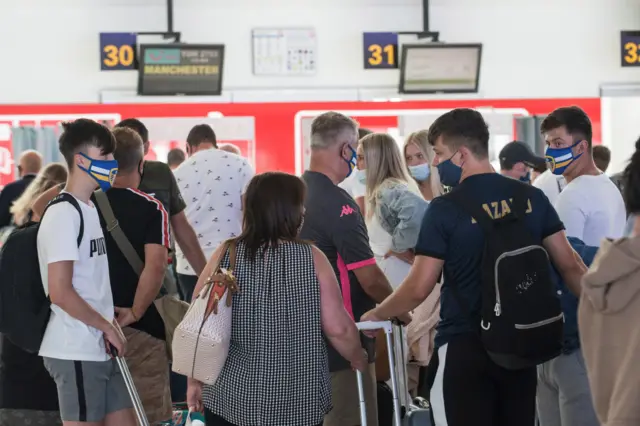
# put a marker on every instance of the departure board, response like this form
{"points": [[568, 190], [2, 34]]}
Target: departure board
{"points": [[180, 69]]}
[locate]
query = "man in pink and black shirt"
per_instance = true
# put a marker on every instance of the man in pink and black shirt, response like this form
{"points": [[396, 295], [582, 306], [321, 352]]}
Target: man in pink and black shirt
{"points": [[335, 225]]}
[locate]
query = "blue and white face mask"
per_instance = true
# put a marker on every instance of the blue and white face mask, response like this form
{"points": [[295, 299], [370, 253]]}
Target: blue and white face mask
{"points": [[352, 161], [558, 159], [103, 171], [421, 172]]}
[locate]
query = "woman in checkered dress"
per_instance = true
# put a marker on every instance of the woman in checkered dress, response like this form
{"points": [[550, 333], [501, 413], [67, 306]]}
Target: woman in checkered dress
{"points": [[277, 371]]}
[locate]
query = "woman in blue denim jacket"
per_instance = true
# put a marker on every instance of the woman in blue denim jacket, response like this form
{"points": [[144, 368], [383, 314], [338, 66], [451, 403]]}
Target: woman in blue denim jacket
{"points": [[393, 205]]}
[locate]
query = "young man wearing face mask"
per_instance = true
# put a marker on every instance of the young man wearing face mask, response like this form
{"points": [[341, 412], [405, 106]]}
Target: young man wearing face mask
{"points": [[517, 160], [145, 224], [75, 273], [591, 208], [470, 388], [334, 223]]}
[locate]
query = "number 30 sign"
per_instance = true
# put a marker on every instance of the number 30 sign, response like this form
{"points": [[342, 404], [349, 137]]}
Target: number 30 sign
{"points": [[118, 51], [380, 50]]}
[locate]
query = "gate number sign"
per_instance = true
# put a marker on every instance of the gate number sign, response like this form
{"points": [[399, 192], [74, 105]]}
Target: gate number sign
{"points": [[118, 51], [630, 48], [380, 50]]}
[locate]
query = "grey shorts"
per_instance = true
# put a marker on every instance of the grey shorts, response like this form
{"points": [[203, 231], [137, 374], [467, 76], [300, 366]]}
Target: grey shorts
{"points": [[88, 390]]}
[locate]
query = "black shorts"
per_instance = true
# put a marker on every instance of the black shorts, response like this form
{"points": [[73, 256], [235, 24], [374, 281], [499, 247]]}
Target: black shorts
{"points": [[470, 389]]}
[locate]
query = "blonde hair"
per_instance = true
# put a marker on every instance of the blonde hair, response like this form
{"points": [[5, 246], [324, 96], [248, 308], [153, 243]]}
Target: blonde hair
{"points": [[385, 165], [52, 175], [421, 140]]}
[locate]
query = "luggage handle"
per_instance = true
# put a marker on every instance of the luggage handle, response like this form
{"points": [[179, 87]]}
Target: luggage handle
{"points": [[387, 327], [128, 381]]}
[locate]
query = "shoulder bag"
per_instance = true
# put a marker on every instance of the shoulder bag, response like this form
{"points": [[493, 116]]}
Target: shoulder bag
{"points": [[202, 339], [170, 308]]}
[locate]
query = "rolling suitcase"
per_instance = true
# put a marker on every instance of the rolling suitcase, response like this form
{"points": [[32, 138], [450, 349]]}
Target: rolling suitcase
{"points": [[405, 412]]}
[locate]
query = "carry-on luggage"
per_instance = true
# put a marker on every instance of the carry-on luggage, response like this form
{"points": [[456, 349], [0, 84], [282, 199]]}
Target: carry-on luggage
{"points": [[405, 413]]}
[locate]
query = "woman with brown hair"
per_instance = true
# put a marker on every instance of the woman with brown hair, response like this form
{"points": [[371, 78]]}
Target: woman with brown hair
{"points": [[277, 372]]}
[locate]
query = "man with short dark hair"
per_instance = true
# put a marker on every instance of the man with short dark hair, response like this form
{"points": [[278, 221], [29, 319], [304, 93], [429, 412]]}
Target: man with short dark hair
{"points": [[213, 183], [591, 208], [517, 160], [75, 275], [470, 388], [175, 157], [158, 181], [334, 223], [145, 223], [602, 157]]}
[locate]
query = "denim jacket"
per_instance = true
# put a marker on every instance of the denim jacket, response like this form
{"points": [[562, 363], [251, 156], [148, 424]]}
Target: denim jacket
{"points": [[568, 300], [399, 211]]}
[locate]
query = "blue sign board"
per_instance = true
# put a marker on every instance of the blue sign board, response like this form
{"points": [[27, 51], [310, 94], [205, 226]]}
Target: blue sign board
{"points": [[630, 47], [118, 51], [380, 50]]}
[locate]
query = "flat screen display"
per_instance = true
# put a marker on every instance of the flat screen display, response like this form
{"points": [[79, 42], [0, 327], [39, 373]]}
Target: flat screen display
{"points": [[440, 68], [180, 69]]}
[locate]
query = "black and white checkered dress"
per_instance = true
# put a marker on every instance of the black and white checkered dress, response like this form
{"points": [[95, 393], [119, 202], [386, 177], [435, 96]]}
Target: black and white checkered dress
{"points": [[277, 372]]}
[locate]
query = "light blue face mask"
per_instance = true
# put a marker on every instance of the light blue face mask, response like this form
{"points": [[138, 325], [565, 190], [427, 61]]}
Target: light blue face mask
{"points": [[421, 172], [361, 175]]}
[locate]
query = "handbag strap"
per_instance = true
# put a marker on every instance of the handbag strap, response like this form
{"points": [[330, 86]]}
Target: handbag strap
{"points": [[123, 243]]}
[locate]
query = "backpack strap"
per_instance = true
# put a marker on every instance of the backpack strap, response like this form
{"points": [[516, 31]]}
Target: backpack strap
{"points": [[65, 197], [123, 242]]}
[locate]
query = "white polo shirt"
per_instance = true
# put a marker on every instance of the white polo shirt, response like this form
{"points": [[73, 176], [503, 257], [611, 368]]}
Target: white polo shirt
{"points": [[212, 183]]}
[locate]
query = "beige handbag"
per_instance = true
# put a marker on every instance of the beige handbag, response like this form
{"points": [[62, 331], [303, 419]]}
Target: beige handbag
{"points": [[201, 341]]}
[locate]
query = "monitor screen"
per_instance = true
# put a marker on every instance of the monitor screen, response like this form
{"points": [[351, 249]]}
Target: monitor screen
{"points": [[440, 68], [180, 69]]}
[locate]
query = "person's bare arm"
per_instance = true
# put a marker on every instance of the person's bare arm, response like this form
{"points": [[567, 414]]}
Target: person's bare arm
{"points": [[568, 263], [208, 270], [42, 201], [151, 278], [63, 294], [188, 241], [374, 282], [415, 288], [337, 325]]}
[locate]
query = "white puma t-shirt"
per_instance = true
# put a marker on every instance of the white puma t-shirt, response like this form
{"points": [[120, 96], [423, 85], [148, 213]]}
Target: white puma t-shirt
{"points": [[67, 337]]}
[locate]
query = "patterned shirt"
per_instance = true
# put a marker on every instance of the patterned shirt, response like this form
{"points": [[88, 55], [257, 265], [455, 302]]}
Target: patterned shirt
{"points": [[277, 372], [212, 183]]}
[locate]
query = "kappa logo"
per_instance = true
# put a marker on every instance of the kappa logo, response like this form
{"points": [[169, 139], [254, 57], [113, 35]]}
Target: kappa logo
{"points": [[346, 210]]}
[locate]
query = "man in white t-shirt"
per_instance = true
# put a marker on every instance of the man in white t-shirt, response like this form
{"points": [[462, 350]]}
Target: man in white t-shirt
{"points": [[591, 208], [75, 274], [552, 185], [212, 183]]}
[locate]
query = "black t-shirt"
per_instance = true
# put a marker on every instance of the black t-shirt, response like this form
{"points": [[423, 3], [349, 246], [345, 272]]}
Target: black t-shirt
{"points": [[335, 225], [450, 234], [158, 181], [144, 221]]}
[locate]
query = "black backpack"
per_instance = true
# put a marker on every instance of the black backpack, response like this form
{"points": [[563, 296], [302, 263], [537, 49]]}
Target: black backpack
{"points": [[521, 322], [24, 307]]}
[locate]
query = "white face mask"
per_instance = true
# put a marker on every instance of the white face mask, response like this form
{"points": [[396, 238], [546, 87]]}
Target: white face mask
{"points": [[361, 175], [420, 172]]}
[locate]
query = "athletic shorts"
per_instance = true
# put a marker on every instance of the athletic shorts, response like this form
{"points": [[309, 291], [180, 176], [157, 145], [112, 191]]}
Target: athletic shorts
{"points": [[88, 390], [346, 403]]}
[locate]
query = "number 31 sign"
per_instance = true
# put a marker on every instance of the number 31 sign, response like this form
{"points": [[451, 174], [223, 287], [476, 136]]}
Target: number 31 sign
{"points": [[380, 50]]}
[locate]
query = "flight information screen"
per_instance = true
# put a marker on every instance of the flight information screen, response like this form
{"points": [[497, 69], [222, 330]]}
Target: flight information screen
{"points": [[180, 69]]}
